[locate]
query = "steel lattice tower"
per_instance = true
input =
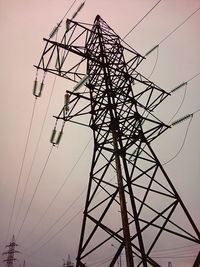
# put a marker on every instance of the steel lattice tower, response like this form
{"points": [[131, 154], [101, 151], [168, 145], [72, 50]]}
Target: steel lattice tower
{"points": [[127, 180], [11, 253]]}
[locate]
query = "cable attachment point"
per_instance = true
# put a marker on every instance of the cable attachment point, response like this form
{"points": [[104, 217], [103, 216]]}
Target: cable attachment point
{"points": [[182, 119], [55, 138]]}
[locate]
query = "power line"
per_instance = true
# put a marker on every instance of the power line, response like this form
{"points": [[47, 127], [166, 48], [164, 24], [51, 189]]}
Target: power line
{"points": [[165, 38], [196, 111], [168, 35], [40, 178], [59, 189], [142, 19], [21, 168], [182, 145], [176, 248], [63, 214], [186, 133], [35, 152], [55, 234], [76, 199], [193, 77], [174, 257], [69, 9]]}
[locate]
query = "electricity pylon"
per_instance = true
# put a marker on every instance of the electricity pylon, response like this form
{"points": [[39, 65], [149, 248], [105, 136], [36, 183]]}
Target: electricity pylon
{"points": [[68, 263], [11, 253], [130, 199]]}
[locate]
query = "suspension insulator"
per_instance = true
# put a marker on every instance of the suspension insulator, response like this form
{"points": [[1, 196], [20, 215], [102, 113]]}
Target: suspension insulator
{"points": [[80, 83], [182, 119], [178, 87], [39, 93], [35, 87], [150, 51], [54, 31], [80, 7], [67, 98], [67, 25], [74, 15], [59, 137], [53, 136], [41, 87]]}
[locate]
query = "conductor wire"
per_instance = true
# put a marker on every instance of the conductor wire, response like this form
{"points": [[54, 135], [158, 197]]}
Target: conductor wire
{"points": [[59, 190], [183, 143], [55, 234], [35, 153], [21, 168], [34, 193], [142, 19], [164, 39]]}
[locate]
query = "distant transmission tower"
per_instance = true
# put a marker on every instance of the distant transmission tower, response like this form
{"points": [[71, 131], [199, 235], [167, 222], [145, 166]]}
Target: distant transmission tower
{"points": [[68, 263], [11, 253], [130, 201]]}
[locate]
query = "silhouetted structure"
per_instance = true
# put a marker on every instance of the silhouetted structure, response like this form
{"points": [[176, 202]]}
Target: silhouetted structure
{"points": [[119, 106], [68, 263], [11, 253]]}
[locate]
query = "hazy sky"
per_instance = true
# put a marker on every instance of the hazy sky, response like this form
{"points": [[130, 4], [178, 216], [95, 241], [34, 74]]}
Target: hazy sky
{"points": [[23, 24]]}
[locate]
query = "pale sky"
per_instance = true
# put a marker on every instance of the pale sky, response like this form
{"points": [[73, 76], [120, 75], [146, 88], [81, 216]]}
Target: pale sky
{"points": [[23, 24]]}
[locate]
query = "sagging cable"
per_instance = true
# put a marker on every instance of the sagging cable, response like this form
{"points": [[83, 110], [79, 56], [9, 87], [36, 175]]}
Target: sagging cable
{"points": [[182, 119]]}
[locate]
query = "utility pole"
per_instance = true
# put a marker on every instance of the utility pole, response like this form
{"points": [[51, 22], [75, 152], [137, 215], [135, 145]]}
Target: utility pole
{"points": [[119, 106], [11, 253]]}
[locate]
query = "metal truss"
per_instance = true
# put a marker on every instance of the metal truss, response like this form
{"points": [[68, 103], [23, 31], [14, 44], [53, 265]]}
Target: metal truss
{"points": [[130, 201]]}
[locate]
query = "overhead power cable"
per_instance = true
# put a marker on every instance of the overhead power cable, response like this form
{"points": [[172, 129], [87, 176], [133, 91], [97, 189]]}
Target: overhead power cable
{"points": [[172, 32], [188, 116], [21, 169], [59, 190], [56, 233], [180, 86], [182, 145], [34, 193], [35, 153], [142, 19], [174, 257], [176, 248], [69, 9], [65, 212], [193, 77], [59, 219]]}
